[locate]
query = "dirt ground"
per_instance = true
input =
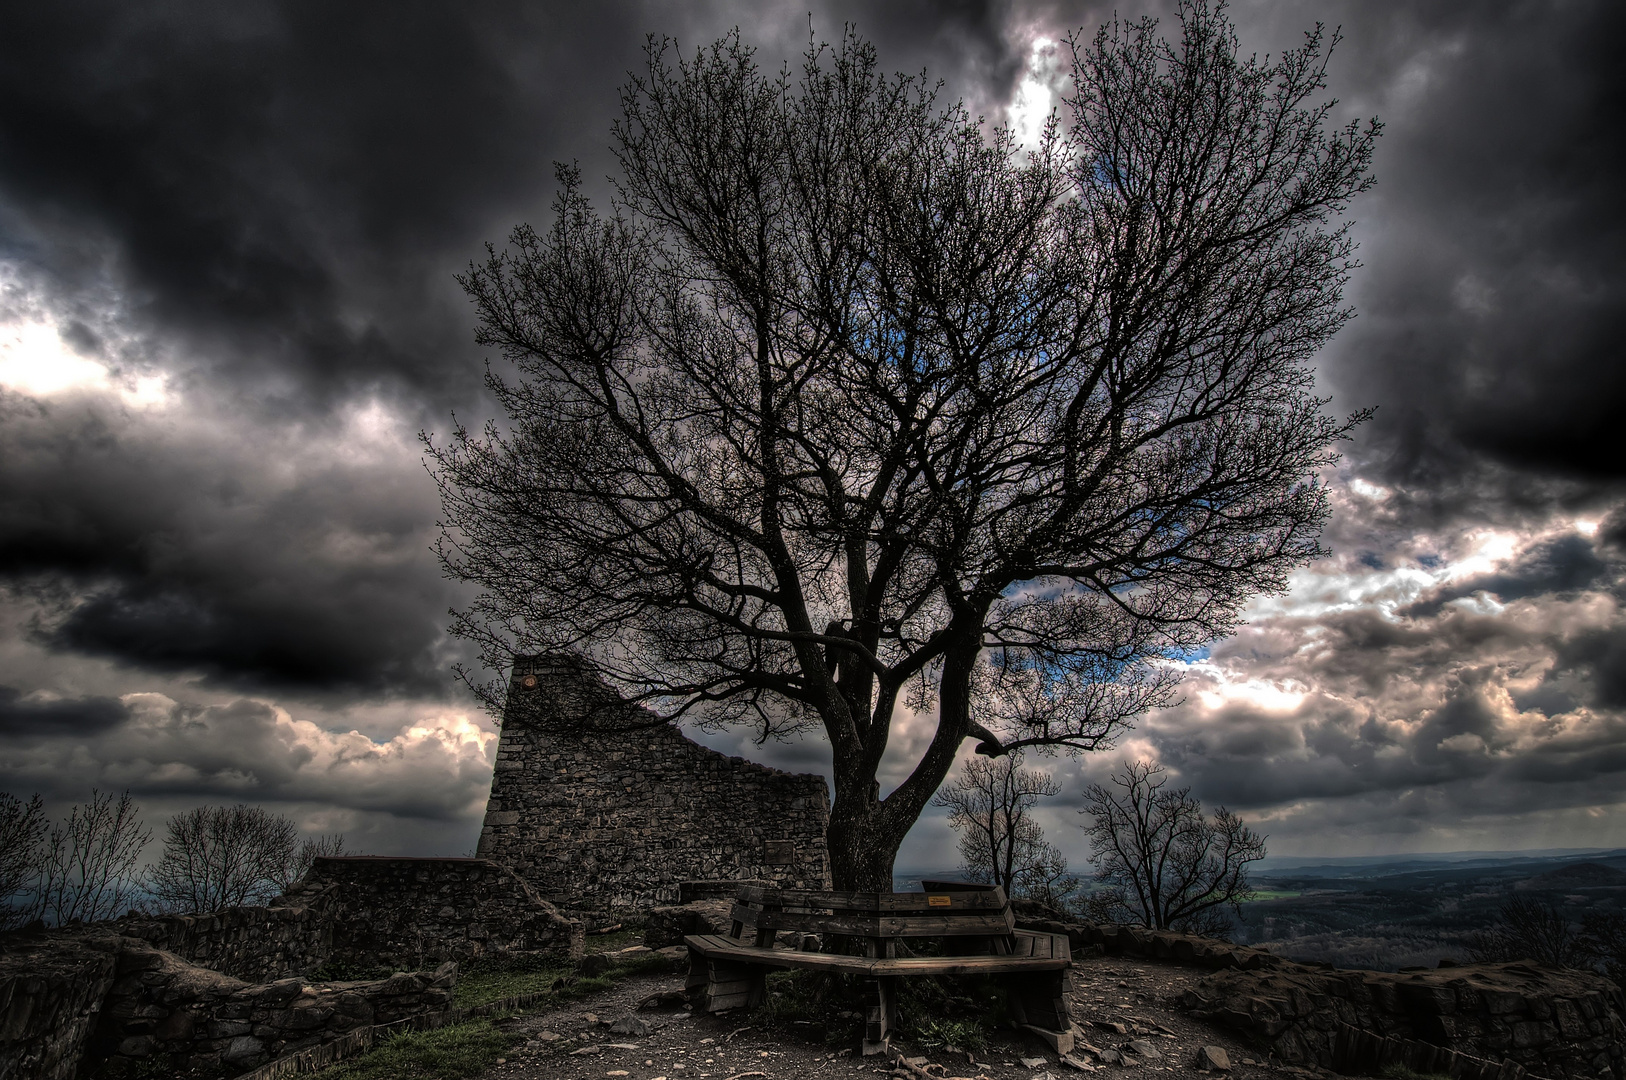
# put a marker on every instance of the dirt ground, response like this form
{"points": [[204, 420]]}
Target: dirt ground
{"points": [[1105, 993]]}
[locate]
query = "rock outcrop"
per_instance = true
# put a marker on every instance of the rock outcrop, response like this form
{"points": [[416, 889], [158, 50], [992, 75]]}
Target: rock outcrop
{"points": [[77, 1000], [1554, 1022]]}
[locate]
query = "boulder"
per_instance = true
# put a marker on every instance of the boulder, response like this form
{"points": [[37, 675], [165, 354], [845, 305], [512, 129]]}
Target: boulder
{"points": [[667, 925]]}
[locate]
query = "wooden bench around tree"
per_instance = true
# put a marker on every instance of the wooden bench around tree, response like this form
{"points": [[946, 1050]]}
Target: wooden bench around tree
{"points": [[974, 924]]}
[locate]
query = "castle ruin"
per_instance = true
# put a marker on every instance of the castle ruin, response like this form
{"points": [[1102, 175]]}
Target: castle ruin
{"points": [[618, 820]]}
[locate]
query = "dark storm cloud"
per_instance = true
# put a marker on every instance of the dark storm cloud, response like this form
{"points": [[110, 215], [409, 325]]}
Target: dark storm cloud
{"points": [[266, 201], [1564, 564], [1496, 697], [244, 750], [290, 183], [23, 716], [1493, 291], [277, 195], [285, 183], [176, 551]]}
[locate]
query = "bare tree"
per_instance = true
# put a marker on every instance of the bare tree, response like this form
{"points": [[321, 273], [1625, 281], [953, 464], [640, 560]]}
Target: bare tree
{"points": [[1000, 842], [22, 832], [847, 406], [1604, 935], [227, 856], [1169, 866], [1531, 929], [310, 849], [90, 867]]}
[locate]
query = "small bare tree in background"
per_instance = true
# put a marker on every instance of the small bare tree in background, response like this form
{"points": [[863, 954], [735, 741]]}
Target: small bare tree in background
{"points": [[227, 856], [90, 865], [1164, 863], [22, 836], [1531, 929], [1604, 934], [1000, 843], [310, 849]]}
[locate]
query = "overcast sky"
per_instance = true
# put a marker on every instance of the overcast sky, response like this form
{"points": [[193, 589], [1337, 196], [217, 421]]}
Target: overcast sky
{"points": [[227, 240]]}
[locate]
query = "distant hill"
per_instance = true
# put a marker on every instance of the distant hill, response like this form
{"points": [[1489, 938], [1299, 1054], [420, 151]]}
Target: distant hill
{"points": [[1586, 875]]}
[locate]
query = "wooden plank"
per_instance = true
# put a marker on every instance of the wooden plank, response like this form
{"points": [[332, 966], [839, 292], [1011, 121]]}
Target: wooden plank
{"points": [[879, 1018], [970, 924], [1040, 944], [965, 965], [1061, 1043], [711, 945], [959, 886], [761, 897]]}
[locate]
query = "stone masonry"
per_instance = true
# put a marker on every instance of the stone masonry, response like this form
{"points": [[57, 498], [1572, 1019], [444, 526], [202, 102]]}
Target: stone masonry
{"points": [[616, 821], [409, 914]]}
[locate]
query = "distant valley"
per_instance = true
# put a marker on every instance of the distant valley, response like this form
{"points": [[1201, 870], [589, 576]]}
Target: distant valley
{"points": [[1416, 910], [1386, 913]]}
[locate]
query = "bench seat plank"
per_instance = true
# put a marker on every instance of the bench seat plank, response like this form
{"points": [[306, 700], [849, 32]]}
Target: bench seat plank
{"points": [[1035, 952], [993, 900], [967, 924]]}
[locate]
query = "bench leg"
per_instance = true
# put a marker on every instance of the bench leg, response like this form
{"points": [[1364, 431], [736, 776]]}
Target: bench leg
{"points": [[1039, 1004], [715, 985], [880, 1016]]}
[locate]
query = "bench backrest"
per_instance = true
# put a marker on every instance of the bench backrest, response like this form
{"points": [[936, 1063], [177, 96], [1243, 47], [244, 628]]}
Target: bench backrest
{"points": [[938, 913]]}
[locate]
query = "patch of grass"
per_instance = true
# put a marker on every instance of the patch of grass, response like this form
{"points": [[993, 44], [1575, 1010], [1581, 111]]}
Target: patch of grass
{"points": [[467, 1050], [483, 984], [935, 1034], [1272, 894], [457, 1052], [641, 964], [480, 982], [627, 935]]}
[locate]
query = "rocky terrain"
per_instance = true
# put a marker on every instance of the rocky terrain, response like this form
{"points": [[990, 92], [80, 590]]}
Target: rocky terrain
{"points": [[1130, 1012]]}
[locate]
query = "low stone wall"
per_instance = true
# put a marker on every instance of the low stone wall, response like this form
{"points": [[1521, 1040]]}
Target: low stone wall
{"points": [[1553, 1021], [256, 944], [1472, 1022], [165, 1013], [415, 913], [1114, 940], [51, 995]]}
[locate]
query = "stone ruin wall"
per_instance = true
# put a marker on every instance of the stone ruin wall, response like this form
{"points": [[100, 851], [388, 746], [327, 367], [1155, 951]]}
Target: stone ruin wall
{"points": [[409, 914], [369, 912], [1507, 1021], [226, 991], [85, 1001], [618, 821]]}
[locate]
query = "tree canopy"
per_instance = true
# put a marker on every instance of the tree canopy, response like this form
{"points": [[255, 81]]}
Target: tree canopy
{"points": [[850, 408]]}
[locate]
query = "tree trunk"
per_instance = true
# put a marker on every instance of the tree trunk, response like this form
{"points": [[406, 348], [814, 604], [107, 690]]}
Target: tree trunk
{"points": [[863, 844]]}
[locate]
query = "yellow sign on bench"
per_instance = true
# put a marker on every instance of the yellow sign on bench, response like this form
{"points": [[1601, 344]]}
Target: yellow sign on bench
{"points": [[939, 901]]}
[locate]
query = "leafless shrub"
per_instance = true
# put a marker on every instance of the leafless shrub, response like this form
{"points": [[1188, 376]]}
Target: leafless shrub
{"points": [[999, 841], [309, 850], [1604, 935], [22, 835], [1531, 929], [226, 856], [90, 867], [1170, 866]]}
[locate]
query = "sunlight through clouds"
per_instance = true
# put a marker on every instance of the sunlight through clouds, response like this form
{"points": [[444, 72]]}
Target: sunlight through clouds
{"points": [[1036, 94], [39, 359]]}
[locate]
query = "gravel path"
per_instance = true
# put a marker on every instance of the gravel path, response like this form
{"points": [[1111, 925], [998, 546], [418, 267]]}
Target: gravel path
{"points": [[1116, 1001]]}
